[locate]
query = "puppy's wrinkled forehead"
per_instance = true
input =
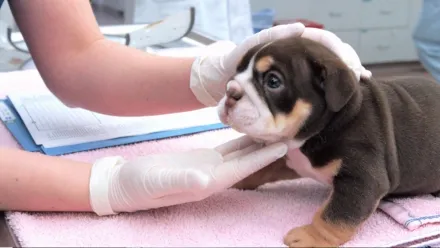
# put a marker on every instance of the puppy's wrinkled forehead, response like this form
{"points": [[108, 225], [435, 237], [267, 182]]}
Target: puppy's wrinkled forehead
{"points": [[261, 58], [279, 54], [290, 58], [279, 72]]}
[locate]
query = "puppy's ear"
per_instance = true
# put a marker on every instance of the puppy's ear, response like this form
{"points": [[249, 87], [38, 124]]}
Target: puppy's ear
{"points": [[339, 85]]}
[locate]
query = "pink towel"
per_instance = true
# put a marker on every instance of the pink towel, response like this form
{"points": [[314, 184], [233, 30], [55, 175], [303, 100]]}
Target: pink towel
{"points": [[231, 218]]}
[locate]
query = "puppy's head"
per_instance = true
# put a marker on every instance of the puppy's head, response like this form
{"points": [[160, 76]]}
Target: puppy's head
{"points": [[286, 90]]}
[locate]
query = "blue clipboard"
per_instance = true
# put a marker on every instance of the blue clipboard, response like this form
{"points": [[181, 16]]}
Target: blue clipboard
{"points": [[18, 129]]}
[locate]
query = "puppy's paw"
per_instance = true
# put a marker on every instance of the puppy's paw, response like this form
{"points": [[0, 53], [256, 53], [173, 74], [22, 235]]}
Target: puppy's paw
{"points": [[305, 236]]}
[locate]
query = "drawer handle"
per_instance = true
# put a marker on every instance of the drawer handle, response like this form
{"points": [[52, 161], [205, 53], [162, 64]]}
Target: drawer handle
{"points": [[385, 12], [335, 14], [383, 47]]}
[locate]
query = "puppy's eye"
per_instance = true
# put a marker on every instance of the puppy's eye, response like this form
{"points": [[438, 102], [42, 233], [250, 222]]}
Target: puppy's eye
{"points": [[273, 80]]}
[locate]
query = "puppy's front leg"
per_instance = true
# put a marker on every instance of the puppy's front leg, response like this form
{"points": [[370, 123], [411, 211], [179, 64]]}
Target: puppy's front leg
{"points": [[355, 196], [276, 171]]}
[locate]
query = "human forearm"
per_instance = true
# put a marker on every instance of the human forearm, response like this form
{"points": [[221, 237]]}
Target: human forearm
{"points": [[34, 182], [114, 79]]}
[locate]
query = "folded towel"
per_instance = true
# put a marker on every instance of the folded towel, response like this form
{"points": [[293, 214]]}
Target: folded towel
{"points": [[412, 212], [229, 219]]}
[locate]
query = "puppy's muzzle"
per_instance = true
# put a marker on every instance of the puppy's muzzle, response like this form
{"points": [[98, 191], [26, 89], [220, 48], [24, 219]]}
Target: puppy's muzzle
{"points": [[234, 92]]}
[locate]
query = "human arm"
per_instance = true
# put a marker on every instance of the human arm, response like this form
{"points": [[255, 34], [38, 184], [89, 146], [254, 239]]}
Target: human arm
{"points": [[36, 182], [85, 70]]}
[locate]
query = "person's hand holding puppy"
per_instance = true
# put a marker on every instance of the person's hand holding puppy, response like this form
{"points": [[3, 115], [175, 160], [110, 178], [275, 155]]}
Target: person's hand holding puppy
{"points": [[169, 179], [211, 72]]}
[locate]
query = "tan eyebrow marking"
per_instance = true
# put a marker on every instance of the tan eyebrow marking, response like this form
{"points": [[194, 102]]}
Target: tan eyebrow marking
{"points": [[264, 64]]}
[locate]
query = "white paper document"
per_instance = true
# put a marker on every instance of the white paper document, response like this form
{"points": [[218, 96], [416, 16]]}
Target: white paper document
{"points": [[52, 124]]}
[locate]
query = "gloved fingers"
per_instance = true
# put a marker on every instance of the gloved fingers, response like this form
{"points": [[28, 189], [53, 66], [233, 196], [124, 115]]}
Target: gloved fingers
{"points": [[175, 181], [177, 160], [197, 157], [266, 35], [242, 152], [366, 74], [351, 53], [351, 59], [239, 168], [354, 62], [324, 37], [219, 48], [234, 145], [277, 32], [343, 50]]}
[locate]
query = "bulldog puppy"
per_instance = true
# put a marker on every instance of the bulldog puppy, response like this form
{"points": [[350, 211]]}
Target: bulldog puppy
{"points": [[367, 140]]}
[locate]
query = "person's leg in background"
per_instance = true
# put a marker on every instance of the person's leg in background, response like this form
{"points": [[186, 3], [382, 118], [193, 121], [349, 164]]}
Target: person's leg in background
{"points": [[427, 37]]}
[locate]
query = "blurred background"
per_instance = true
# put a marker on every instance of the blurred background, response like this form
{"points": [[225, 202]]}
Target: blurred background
{"points": [[381, 31]]}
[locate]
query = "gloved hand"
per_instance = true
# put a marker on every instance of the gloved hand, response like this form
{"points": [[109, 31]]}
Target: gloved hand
{"points": [[343, 50], [211, 72], [168, 179]]}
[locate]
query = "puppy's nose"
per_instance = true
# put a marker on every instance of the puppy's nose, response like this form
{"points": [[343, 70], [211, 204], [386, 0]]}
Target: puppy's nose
{"points": [[234, 93]]}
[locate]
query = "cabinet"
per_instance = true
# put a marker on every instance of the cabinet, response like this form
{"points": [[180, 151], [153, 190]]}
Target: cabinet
{"points": [[379, 30], [336, 14]]}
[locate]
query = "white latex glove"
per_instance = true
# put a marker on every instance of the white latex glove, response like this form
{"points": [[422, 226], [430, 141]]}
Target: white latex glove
{"points": [[343, 50], [211, 72], [168, 179]]}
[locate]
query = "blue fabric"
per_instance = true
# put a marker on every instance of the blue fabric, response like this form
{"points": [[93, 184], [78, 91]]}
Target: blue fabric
{"points": [[427, 37], [1, 3]]}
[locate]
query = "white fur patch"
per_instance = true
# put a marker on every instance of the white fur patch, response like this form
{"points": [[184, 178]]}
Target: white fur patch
{"points": [[298, 162], [250, 115]]}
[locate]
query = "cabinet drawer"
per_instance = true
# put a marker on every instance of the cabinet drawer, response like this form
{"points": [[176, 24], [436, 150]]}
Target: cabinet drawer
{"points": [[349, 37], [381, 46], [385, 13], [336, 14]]}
